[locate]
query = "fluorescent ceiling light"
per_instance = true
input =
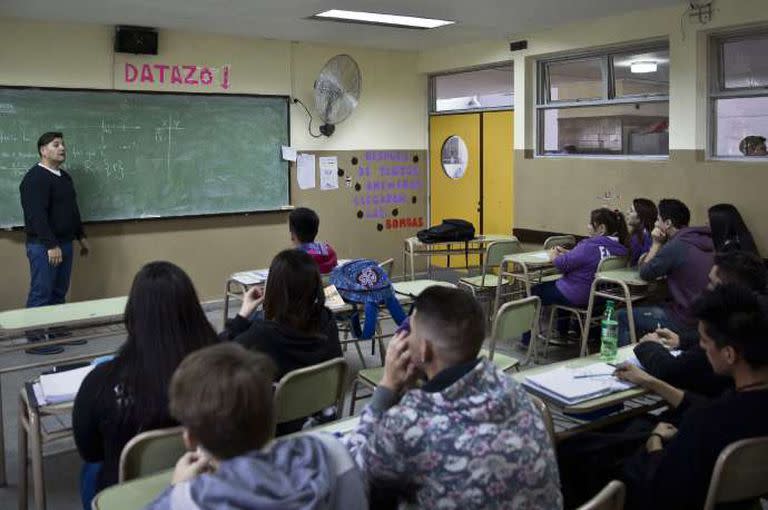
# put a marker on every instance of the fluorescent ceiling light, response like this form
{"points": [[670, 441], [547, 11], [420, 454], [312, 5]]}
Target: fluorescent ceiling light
{"points": [[643, 66], [392, 20]]}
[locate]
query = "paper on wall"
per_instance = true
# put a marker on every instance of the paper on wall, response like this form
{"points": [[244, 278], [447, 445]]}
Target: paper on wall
{"points": [[289, 153], [305, 171], [329, 172]]}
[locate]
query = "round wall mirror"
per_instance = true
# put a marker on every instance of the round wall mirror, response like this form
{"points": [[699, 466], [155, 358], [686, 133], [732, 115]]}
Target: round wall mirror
{"points": [[454, 156]]}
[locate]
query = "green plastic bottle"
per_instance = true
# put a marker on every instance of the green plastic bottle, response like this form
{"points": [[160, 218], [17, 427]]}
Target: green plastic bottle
{"points": [[609, 334]]}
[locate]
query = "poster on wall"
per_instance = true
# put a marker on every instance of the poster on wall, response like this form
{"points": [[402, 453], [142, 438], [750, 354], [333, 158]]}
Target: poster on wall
{"points": [[389, 184]]}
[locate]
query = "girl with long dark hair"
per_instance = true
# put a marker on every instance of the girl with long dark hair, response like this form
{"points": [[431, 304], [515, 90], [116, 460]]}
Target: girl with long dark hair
{"points": [[641, 219], [729, 232], [297, 330], [129, 394]]}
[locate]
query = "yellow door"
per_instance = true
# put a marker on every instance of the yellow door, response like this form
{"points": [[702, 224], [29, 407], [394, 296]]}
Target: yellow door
{"points": [[454, 172], [498, 172]]}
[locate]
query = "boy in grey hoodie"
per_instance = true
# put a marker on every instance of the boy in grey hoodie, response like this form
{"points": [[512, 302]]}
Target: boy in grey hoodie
{"points": [[222, 395], [682, 254]]}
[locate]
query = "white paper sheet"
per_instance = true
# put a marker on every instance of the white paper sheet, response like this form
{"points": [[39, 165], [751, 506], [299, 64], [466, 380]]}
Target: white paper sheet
{"points": [[289, 153], [305, 171], [329, 172], [63, 386]]}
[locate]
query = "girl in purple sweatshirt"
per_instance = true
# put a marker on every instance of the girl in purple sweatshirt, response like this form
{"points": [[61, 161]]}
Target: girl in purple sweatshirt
{"points": [[641, 219], [608, 237]]}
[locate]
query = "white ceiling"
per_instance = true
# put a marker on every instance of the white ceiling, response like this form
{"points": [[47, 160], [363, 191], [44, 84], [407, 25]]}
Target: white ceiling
{"points": [[286, 19]]}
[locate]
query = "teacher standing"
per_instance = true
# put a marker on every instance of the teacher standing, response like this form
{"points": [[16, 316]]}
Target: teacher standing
{"points": [[52, 222]]}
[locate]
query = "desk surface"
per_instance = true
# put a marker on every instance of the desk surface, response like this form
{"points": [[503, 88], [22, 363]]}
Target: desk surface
{"points": [[488, 238], [628, 275], [593, 404], [530, 258], [67, 314]]}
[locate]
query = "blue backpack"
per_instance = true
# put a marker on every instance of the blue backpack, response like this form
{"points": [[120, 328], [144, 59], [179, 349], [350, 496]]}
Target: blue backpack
{"points": [[363, 282]]}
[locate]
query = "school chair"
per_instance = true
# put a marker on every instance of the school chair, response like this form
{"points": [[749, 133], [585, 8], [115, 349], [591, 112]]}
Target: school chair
{"points": [[610, 498], [388, 266], [368, 377], [484, 284], [512, 320], [546, 416], [306, 391], [581, 314], [150, 452], [740, 473], [566, 241], [134, 494]]}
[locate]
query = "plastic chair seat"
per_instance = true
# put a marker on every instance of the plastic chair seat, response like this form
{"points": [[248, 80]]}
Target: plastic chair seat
{"points": [[491, 281], [503, 361], [371, 376]]}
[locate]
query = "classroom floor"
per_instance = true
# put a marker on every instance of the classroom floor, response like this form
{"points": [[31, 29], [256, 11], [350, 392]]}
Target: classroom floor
{"points": [[62, 463]]}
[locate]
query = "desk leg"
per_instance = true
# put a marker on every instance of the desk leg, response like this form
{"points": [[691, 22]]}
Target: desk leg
{"points": [[630, 314], [585, 329], [226, 305], [23, 459], [36, 456], [3, 479]]}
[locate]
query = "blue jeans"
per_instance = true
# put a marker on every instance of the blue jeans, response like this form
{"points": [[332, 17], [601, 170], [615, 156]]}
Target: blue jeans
{"points": [[89, 476], [49, 284], [647, 320]]}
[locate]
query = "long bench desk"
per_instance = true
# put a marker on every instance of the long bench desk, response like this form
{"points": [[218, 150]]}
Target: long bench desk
{"points": [[567, 420], [413, 248], [84, 319]]}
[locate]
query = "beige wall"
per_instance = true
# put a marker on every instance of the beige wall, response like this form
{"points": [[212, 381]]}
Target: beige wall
{"points": [[557, 193], [391, 115]]}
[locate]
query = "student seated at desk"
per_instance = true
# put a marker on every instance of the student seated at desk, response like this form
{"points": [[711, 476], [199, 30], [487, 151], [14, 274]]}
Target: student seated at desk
{"points": [[685, 256], [297, 330], [729, 232], [129, 394], [674, 469], [640, 219], [690, 370], [468, 438], [304, 224], [608, 237], [222, 396]]}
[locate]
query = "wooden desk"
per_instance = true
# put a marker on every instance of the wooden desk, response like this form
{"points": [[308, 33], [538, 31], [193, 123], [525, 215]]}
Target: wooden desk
{"points": [[32, 436], [413, 248], [622, 285], [98, 318], [528, 268], [636, 401]]}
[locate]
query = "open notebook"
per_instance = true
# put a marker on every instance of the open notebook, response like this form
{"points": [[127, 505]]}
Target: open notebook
{"points": [[569, 386], [61, 386]]}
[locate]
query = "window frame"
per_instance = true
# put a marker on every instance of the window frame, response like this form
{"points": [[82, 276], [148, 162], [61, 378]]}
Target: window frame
{"points": [[717, 89], [432, 89], [607, 56]]}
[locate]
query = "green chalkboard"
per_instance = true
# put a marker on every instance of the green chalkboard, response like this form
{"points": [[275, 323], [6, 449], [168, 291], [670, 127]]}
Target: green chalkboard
{"points": [[146, 155]]}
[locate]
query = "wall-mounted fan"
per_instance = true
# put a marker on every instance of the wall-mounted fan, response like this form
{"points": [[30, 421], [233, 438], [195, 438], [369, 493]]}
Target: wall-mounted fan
{"points": [[337, 92]]}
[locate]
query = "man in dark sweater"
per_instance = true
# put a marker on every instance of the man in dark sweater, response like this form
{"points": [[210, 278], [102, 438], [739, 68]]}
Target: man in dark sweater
{"points": [[690, 370], [682, 254], [51, 222], [674, 469]]}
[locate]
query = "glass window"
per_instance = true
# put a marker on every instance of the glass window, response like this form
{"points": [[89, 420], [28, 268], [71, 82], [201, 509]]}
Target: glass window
{"points": [[474, 90], [742, 126], [574, 80], [625, 129], [641, 74], [610, 103], [739, 95], [745, 63], [454, 157]]}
